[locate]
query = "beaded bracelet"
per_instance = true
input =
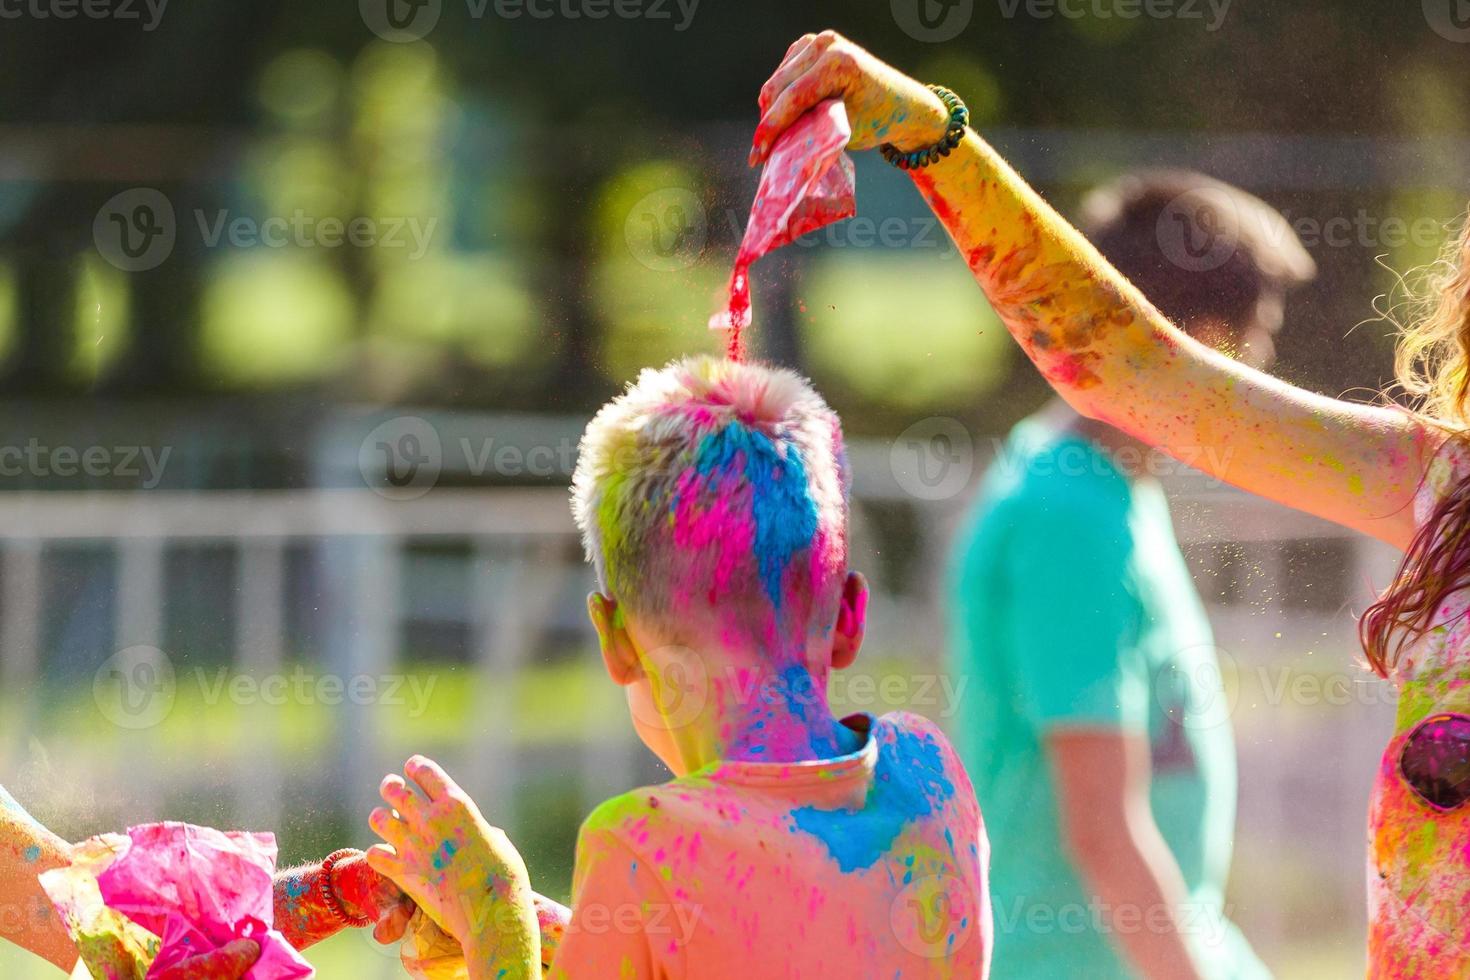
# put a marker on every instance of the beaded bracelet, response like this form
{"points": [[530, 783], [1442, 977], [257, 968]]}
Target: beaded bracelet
{"points": [[959, 120], [329, 890]]}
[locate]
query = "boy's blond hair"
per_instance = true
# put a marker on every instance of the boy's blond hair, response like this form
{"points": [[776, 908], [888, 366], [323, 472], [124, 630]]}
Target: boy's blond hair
{"points": [[716, 485]]}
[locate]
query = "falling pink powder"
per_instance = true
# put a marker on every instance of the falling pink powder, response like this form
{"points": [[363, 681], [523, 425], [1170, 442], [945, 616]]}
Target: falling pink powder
{"points": [[807, 184]]}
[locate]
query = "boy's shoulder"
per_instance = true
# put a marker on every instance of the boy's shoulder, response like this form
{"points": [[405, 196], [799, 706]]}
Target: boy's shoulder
{"points": [[627, 810], [901, 738], [643, 814], [911, 742]]}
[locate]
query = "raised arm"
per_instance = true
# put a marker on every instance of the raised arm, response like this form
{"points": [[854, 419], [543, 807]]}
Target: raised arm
{"points": [[26, 916], [1095, 338]]}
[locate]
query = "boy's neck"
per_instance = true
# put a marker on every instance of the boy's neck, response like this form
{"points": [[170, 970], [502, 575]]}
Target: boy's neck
{"points": [[765, 714]]}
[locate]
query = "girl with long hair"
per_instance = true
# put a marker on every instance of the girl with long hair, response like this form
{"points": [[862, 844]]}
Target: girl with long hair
{"points": [[1400, 475]]}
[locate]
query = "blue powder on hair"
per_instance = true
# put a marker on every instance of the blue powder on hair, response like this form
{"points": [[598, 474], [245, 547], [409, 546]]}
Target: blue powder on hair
{"points": [[782, 508], [909, 783]]}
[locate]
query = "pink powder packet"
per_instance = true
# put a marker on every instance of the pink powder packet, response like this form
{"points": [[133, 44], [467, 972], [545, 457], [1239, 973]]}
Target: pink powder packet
{"points": [[807, 184], [199, 889]]}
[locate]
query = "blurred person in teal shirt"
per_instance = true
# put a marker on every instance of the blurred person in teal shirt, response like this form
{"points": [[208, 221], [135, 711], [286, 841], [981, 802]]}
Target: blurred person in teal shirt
{"points": [[1092, 726]]}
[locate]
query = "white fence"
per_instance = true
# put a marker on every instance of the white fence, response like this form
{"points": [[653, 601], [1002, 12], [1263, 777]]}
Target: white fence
{"points": [[525, 561]]}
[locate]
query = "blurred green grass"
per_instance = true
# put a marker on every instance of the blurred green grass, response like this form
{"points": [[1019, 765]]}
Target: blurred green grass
{"points": [[559, 703]]}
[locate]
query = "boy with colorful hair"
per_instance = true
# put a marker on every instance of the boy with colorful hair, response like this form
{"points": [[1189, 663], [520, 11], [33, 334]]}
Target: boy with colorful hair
{"points": [[712, 497]]}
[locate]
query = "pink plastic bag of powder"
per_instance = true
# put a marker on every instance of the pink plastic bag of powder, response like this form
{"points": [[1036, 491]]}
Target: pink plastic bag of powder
{"points": [[199, 889], [807, 184]]}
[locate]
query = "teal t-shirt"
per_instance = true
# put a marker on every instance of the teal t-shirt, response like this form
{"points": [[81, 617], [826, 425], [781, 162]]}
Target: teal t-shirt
{"points": [[1072, 607]]}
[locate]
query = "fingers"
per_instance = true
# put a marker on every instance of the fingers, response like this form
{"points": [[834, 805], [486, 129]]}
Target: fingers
{"points": [[817, 83], [385, 861], [799, 57], [229, 962], [395, 793], [363, 892], [391, 927], [797, 45], [392, 829], [432, 780]]}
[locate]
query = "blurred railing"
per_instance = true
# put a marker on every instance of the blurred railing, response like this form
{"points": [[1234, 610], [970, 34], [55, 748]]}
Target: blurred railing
{"points": [[524, 563]]}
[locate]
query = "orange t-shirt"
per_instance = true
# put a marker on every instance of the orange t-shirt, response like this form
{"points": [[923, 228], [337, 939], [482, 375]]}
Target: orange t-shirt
{"points": [[868, 865]]}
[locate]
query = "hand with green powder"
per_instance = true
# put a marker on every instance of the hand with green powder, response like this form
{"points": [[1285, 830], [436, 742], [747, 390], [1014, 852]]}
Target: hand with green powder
{"points": [[465, 874]]}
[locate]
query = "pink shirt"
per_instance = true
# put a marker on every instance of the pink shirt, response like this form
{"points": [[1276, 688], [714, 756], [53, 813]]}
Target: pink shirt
{"points": [[1419, 859], [869, 865]]}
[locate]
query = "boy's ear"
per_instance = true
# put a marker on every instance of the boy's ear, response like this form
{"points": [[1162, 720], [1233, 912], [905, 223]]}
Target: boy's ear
{"points": [[619, 654], [852, 621]]}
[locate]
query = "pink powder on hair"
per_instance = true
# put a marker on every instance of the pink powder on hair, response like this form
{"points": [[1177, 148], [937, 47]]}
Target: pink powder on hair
{"points": [[721, 526], [807, 184]]}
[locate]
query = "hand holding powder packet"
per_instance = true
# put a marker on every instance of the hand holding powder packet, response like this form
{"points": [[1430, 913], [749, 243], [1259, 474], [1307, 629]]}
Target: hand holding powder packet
{"points": [[807, 184], [138, 905]]}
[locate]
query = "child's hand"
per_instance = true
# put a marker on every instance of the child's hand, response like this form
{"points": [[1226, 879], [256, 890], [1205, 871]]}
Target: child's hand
{"points": [[883, 104], [462, 872], [430, 953], [230, 962], [366, 894]]}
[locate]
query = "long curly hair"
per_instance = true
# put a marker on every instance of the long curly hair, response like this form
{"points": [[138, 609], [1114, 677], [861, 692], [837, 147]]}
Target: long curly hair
{"points": [[1432, 365]]}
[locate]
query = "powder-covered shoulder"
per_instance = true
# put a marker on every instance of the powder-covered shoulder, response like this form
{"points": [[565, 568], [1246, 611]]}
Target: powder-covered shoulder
{"points": [[913, 724], [906, 726], [628, 813], [1449, 466], [660, 814]]}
